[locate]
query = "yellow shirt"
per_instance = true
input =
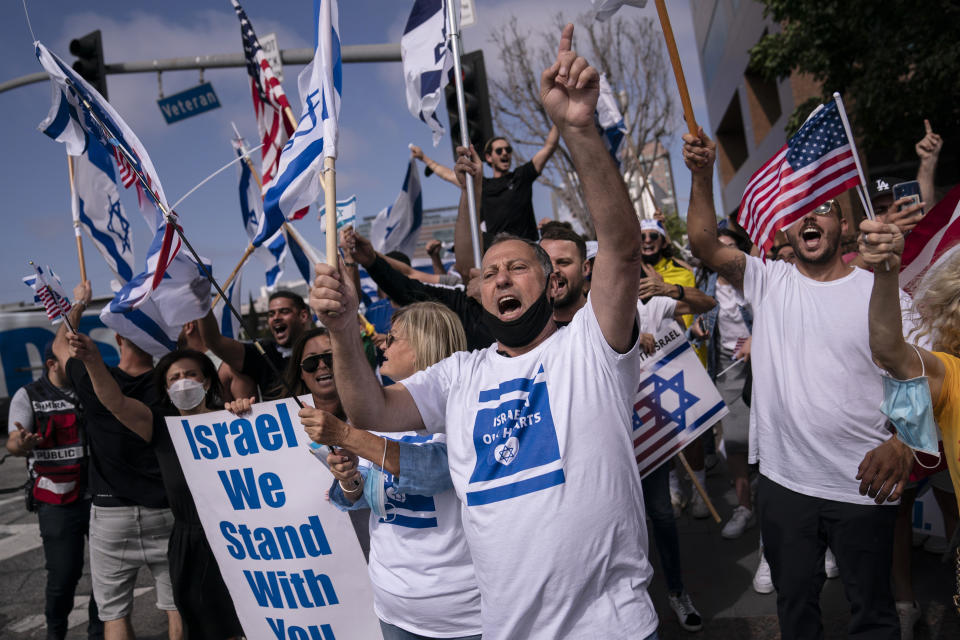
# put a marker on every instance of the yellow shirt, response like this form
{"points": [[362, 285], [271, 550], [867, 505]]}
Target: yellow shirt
{"points": [[675, 274], [947, 414]]}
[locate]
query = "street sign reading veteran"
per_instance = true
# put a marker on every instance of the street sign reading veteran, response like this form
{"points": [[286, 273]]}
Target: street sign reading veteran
{"points": [[191, 102], [675, 403], [291, 560]]}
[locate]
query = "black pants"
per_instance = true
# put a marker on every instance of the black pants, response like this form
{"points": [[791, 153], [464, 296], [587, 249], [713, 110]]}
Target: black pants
{"points": [[63, 528], [796, 530]]}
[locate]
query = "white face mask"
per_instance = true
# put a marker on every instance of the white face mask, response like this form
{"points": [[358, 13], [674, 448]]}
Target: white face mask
{"points": [[186, 394]]}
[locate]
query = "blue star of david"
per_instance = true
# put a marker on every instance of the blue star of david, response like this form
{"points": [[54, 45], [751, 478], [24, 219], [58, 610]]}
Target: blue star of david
{"points": [[123, 235], [506, 454], [652, 401]]}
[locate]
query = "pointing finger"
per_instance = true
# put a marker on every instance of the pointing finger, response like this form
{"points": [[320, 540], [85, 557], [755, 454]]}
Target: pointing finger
{"points": [[566, 44], [926, 125]]}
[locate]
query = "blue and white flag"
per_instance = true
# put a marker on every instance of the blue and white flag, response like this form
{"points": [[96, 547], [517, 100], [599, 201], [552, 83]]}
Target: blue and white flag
{"points": [[303, 253], [298, 179], [98, 209], [427, 60], [225, 319], [610, 121], [78, 110], [155, 324], [346, 212], [396, 227], [273, 251], [603, 9]]}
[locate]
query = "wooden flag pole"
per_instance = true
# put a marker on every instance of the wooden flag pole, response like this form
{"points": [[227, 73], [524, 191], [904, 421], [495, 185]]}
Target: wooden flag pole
{"points": [[677, 68], [288, 114], [233, 274], [699, 487], [330, 204], [76, 220]]}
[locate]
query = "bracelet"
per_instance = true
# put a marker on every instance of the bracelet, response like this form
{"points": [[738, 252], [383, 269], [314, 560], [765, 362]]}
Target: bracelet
{"points": [[680, 292], [355, 489], [349, 264]]}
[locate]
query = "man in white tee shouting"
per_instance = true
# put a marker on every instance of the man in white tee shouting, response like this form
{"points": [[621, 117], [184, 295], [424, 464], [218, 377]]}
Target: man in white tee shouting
{"points": [[538, 424], [827, 462]]}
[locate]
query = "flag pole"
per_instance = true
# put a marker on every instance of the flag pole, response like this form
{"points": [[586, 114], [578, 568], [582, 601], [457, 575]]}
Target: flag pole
{"points": [[677, 67], [330, 202], [75, 209], [454, 29], [699, 487], [233, 274], [867, 205]]}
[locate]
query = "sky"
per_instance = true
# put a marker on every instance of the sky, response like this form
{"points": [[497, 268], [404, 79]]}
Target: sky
{"points": [[375, 125]]}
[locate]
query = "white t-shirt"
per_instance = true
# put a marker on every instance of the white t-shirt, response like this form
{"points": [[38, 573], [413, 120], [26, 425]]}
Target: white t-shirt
{"points": [[815, 410], [420, 565], [541, 457], [657, 311], [729, 319]]}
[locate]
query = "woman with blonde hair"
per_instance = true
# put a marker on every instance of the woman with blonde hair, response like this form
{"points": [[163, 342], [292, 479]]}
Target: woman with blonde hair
{"points": [[420, 567]]}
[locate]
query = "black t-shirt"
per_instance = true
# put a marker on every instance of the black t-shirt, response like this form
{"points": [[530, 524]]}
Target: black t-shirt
{"points": [[507, 204], [178, 493], [123, 467], [256, 366]]}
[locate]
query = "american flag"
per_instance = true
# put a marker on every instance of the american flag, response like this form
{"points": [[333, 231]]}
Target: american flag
{"points": [[269, 104], [48, 292], [937, 233], [739, 346], [815, 165]]}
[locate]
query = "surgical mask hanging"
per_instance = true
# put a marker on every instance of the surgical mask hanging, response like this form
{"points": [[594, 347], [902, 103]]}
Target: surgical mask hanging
{"points": [[520, 331], [909, 406], [374, 491], [186, 394]]}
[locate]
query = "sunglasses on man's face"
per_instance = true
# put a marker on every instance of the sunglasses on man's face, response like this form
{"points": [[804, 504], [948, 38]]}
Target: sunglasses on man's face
{"points": [[824, 209], [311, 363], [500, 151], [649, 236]]}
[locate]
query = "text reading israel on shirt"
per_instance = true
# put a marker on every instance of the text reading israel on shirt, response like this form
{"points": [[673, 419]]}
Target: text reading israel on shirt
{"points": [[221, 439]]}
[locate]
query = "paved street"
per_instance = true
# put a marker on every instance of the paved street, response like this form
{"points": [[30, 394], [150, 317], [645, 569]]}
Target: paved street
{"points": [[717, 574]]}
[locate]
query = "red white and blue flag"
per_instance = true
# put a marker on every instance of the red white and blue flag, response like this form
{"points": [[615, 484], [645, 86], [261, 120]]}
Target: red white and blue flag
{"points": [[815, 165], [937, 233], [49, 293]]}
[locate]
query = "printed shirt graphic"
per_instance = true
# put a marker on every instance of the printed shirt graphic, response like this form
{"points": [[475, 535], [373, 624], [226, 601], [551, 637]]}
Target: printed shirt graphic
{"points": [[533, 442], [420, 566]]}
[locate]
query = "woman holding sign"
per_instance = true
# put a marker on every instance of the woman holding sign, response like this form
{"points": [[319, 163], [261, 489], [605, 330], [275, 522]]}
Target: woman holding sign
{"points": [[420, 566], [189, 384]]}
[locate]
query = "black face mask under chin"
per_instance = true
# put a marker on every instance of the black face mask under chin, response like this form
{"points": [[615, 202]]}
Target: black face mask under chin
{"points": [[523, 330]]}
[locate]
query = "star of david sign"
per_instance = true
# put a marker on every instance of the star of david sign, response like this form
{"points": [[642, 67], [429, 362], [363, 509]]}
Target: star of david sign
{"points": [[123, 234], [672, 389], [507, 452]]}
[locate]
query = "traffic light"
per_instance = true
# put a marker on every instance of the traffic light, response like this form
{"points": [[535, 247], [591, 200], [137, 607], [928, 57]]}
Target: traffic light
{"points": [[476, 100], [89, 64]]}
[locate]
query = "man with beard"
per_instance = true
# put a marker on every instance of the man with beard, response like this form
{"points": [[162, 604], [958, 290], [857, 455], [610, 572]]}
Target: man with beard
{"points": [[529, 458], [288, 318], [814, 415]]}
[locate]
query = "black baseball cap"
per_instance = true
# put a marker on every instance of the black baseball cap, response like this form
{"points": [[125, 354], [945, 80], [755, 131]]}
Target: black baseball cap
{"points": [[882, 186]]}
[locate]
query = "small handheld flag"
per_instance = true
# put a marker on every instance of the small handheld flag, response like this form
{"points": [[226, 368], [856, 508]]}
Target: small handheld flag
{"points": [[49, 293], [610, 121]]}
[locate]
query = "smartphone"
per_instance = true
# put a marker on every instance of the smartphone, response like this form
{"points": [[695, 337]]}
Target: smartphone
{"points": [[905, 189]]}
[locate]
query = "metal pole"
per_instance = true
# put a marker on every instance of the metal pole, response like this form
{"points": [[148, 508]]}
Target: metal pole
{"points": [[464, 135]]}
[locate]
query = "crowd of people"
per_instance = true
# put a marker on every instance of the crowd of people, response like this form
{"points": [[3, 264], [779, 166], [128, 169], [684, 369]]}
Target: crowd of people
{"points": [[499, 407]]}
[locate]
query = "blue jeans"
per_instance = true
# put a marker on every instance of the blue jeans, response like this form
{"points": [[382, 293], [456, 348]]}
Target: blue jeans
{"points": [[656, 499], [63, 528], [391, 632]]}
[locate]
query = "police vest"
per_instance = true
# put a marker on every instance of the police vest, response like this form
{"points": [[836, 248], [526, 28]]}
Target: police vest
{"points": [[58, 461]]}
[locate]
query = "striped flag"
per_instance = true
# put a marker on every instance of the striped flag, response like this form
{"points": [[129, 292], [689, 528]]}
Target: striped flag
{"points": [[937, 233], [396, 228], [299, 181], [427, 61], [742, 340], [613, 130], [303, 253], [271, 252], [817, 163], [226, 320], [603, 9], [269, 104], [49, 293], [675, 402]]}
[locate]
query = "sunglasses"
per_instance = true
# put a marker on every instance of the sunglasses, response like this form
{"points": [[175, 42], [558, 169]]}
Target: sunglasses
{"points": [[824, 209], [390, 340], [649, 236], [503, 150], [312, 363]]}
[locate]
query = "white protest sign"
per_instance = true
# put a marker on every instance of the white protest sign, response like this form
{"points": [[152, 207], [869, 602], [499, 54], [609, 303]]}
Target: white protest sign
{"points": [[291, 560], [676, 400], [468, 13], [271, 51]]}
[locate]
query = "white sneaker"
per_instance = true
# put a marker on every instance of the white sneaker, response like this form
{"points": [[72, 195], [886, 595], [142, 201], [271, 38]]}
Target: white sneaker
{"points": [[698, 507], [740, 521], [830, 564], [762, 581], [909, 613], [687, 614]]}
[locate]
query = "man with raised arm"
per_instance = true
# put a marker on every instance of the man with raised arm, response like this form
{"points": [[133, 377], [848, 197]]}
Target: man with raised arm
{"points": [[827, 461], [538, 424]]}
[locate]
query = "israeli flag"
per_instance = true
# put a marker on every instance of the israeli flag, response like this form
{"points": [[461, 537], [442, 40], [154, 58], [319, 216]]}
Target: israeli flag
{"points": [[603, 9], [98, 209], [427, 60], [610, 121], [396, 227], [298, 178], [303, 253], [273, 251], [154, 325], [225, 319], [346, 214]]}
